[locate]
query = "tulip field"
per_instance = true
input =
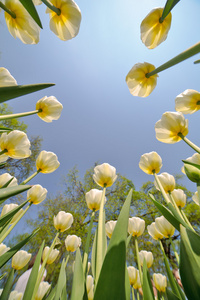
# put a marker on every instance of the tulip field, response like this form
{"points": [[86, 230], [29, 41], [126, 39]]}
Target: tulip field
{"points": [[100, 269]]}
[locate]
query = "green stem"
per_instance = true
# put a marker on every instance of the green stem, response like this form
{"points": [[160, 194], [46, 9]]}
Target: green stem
{"points": [[198, 191], [174, 249], [177, 59], [162, 297], [67, 260], [138, 295], [87, 244], [161, 188], [52, 7], [186, 219], [11, 13], [100, 237], [175, 205], [138, 259], [12, 116], [30, 177], [133, 294], [168, 7], [3, 151], [192, 145]]}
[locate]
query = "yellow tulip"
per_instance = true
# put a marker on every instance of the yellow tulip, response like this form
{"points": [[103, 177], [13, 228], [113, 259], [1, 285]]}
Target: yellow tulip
{"points": [[148, 256], [188, 102], [179, 197], [20, 259], [15, 144], [4, 178], [132, 275], [109, 227], [50, 108], [93, 199], [167, 181], [138, 84], [47, 162], [36, 194], [153, 232], [160, 282], [52, 256], [72, 243], [22, 26], [66, 24], [136, 226], [90, 287], [164, 227], [7, 208], [42, 290], [153, 32], [104, 175], [150, 163], [63, 221], [3, 249], [137, 284], [170, 126], [6, 79]]}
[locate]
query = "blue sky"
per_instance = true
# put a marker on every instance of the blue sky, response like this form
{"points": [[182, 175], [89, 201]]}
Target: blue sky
{"points": [[101, 121]]}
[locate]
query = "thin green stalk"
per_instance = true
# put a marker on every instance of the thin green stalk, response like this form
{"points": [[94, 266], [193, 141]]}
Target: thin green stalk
{"points": [[189, 143], [176, 60], [11, 13], [198, 191], [30, 177], [12, 116], [85, 257], [67, 260], [52, 7], [133, 294], [161, 188], [100, 237], [175, 205], [3, 151], [168, 7], [138, 259], [174, 249], [186, 219], [138, 294], [162, 297]]}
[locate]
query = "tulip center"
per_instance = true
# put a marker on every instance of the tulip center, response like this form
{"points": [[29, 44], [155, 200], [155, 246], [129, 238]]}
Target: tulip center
{"points": [[161, 20]]}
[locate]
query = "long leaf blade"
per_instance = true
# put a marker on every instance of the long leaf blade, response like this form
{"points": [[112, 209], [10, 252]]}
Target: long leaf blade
{"points": [[29, 6]]}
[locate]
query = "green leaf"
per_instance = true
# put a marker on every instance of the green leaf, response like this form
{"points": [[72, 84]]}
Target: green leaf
{"points": [[78, 285], [10, 92], [190, 263], [33, 276], [7, 183], [168, 7], [6, 256], [12, 191], [7, 217], [8, 286], [61, 284], [29, 6], [171, 295], [111, 283], [197, 61], [4, 129], [190, 163], [147, 285], [94, 254]]}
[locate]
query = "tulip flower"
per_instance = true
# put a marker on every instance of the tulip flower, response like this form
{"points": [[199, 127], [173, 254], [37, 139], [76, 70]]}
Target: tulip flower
{"points": [[188, 102], [66, 21], [137, 284], [14, 295], [90, 287], [138, 83], [153, 31], [109, 227], [6, 79], [167, 181], [7, 208], [104, 175], [160, 282], [72, 243], [3, 249], [93, 199], [179, 197], [63, 221], [49, 109], [170, 127], [42, 290], [20, 259], [15, 144], [153, 232], [4, 178], [148, 256], [47, 162], [132, 275], [52, 256], [20, 23], [150, 163], [164, 227], [136, 226], [36, 194], [192, 172], [195, 198]]}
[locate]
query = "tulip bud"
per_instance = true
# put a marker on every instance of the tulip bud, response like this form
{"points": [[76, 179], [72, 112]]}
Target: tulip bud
{"points": [[14, 295], [3, 249], [72, 243], [195, 198], [36, 194], [136, 226], [192, 172], [52, 256], [154, 233], [90, 287], [148, 256], [150, 163], [63, 221], [109, 227], [167, 181], [164, 227], [160, 282], [137, 284], [4, 178], [132, 274], [179, 197], [20, 259], [42, 290], [104, 175], [16, 144], [7, 208], [6, 79], [93, 199], [47, 162], [50, 108]]}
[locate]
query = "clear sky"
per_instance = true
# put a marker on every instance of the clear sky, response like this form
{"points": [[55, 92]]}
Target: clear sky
{"points": [[101, 121]]}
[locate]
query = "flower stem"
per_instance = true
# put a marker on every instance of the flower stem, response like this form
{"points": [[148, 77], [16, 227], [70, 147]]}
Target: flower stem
{"points": [[177, 59], [133, 294], [161, 188], [52, 7], [198, 191], [175, 206], [174, 249], [138, 258], [138, 295], [168, 7], [3, 151], [186, 219], [12, 116], [11, 13], [30, 177], [85, 256], [192, 145]]}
